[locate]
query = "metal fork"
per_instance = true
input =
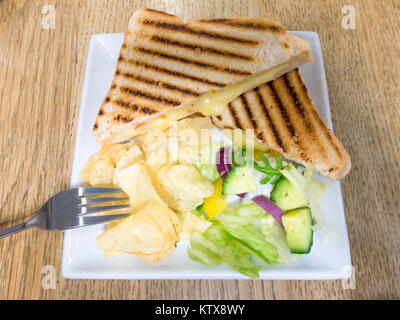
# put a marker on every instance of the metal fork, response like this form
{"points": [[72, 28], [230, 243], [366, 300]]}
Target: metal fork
{"points": [[68, 210]]}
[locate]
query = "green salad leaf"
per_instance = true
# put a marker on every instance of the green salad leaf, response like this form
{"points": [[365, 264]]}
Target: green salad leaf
{"points": [[252, 238], [235, 240], [206, 163], [203, 250], [241, 214], [275, 235]]}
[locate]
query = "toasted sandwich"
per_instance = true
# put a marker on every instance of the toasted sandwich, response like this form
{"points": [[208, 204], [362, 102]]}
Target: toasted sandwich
{"points": [[283, 117], [168, 70]]}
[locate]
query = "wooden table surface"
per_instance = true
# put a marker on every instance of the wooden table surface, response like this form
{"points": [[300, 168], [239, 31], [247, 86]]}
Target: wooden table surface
{"points": [[41, 78]]}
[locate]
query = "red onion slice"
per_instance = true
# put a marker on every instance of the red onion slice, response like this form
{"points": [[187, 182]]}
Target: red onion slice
{"points": [[224, 161], [270, 207]]}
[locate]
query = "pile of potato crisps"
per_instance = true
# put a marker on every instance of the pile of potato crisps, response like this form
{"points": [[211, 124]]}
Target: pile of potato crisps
{"points": [[158, 174]]}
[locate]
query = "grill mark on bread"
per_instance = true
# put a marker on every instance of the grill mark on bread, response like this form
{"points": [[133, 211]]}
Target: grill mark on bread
{"points": [[234, 116], [248, 112], [316, 116], [285, 114], [147, 95], [135, 107], [147, 110], [193, 62], [301, 109], [194, 47], [176, 73], [282, 110], [194, 31], [271, 123], [321, 152], [126, 105], [121, 118], [247, 25], [165, 85], [293, 94]]}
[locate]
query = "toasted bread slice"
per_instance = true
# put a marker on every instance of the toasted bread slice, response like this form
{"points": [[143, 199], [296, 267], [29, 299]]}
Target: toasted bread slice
{"points": [[165, 65], [285, 119]]}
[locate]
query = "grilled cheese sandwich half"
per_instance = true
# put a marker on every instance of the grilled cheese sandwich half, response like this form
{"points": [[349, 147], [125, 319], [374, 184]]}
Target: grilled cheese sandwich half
{"points": [[168, 70], [282, 117]]}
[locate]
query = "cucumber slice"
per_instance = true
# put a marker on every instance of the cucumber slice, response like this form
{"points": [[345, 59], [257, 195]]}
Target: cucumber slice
{"points": [[285, 196], [299, 235], [239, 180]]}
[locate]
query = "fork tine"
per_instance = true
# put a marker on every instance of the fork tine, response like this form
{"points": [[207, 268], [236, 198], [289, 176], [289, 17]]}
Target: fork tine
{"points": [[88, 201], [94, 191], [88, 221], [90, 210]]}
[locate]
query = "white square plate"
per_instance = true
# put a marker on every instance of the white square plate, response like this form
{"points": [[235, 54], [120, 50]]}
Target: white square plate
{"points": [[82, 259]]}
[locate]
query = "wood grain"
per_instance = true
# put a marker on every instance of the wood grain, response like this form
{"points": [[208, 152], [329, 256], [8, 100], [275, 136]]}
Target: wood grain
{"points": [[41, 74]]}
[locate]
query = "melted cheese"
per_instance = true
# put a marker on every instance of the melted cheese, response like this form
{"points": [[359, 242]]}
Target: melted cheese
{"points": [[211, 103], [164, 121], [214, 103]]}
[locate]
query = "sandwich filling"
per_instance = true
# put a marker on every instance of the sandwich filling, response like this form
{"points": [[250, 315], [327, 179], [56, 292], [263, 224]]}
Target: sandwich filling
{"points": [[212, 103]]}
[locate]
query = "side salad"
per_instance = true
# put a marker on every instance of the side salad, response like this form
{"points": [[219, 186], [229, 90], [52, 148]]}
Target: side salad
{"points": [[262, 210]]}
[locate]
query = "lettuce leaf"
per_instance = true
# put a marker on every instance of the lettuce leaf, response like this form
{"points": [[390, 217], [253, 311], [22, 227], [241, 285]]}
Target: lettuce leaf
{"points": [[315, 191], [252, 238], [275, 235], [206, 162], [241, 214], [203, 251], [192, 224], [296, 178], [235, 238], [216, 246], [234, 246]]}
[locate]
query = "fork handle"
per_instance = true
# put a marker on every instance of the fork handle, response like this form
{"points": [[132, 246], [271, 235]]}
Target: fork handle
{"points": [[14, 229]]}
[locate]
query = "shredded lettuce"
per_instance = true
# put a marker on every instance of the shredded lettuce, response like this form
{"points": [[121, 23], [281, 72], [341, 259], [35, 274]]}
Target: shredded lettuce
{"points": [[234, 239], [241, 214], [315, 191], [204, 251], [252, 238], [216, 246], [191, 224], [275, 235], [206, 162], [296, 178], [246, 231]]}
